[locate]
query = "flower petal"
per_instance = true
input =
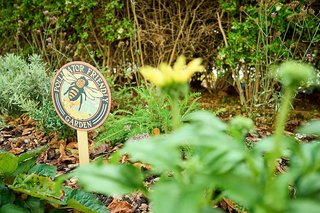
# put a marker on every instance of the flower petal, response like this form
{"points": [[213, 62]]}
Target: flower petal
{"points": [[153, 75]]}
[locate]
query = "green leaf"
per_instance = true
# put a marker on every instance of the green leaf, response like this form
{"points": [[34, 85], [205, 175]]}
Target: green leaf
{"points": [[44, 170], [24, 166], [238, 187], [175, 197], [8, 163], [58, 211], [303, 205], [158, 152], [33, 204], [37, 186], [311, 128], [32, 153], [276, 193], [12, 208], [6, 195], [110, 179], [309, 186], [207, 119], [84, 201], [211, 210]]}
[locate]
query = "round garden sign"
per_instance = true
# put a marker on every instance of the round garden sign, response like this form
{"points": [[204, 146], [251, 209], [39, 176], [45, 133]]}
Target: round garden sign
{"points": [[81, 97]]}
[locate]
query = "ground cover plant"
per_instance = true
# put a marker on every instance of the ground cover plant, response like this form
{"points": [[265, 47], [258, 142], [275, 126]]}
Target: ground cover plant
{"points": [[206, 159], [35, 183]]}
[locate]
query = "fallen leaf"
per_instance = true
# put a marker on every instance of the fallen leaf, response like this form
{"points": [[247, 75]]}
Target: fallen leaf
{"points": [[16, 150], [27, 131], [72, 145], [63, 157], [142, 166], [119, 206]]}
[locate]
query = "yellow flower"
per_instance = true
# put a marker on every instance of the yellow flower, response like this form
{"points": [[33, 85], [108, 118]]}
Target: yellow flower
{"points": [[166, 75]]}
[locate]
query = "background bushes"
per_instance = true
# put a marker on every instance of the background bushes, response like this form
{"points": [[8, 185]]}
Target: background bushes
{"points": [[24, 85], [238, 40]]}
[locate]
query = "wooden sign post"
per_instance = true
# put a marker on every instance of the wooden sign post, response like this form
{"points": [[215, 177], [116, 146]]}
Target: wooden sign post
{"points": [[81, 97], [83, 147]]}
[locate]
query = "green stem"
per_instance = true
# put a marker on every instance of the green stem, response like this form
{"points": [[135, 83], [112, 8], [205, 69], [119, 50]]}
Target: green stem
{"points": [[280, 126], [175, 113]]}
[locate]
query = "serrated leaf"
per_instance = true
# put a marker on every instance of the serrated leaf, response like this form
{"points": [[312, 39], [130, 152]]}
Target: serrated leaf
{"points": [[37, 186], [84, 201], [44, 170], [32, 153], [8, 163], [311, 128], [110, 179]]}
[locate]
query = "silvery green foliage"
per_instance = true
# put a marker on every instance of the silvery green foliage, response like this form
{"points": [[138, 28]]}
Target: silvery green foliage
{"points": [[24, 84]]}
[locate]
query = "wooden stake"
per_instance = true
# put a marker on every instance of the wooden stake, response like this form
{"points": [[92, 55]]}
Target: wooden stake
{"points": [[83, 147]]}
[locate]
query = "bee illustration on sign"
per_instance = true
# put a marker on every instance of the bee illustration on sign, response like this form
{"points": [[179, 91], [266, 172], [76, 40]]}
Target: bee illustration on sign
{"points": [[79, 87]]}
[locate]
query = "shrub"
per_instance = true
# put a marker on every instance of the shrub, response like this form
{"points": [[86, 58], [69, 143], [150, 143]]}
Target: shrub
{"points": [[24, 85]]}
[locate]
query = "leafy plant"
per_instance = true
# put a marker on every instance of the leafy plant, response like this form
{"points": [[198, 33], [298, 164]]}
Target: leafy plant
{"points": [[24, 86], [142, 114], [35, 183], [48, 120], [220, 163]]}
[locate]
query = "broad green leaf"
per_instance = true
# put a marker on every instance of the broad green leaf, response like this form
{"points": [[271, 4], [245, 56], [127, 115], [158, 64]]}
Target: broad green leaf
{"points": [[6, 195], [306, 158], [37, 186], [8, 163], [158, 152], [276, 193], [175, 197], [58, 211], [44, 170], [12, 208], [33, 204], [239, 188], [32, 153], [110, 179], [207, 119], [24, 166], [211, 210], [309, 186], [311, 128], [221, 161], [303, 206], [84, 201]]}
